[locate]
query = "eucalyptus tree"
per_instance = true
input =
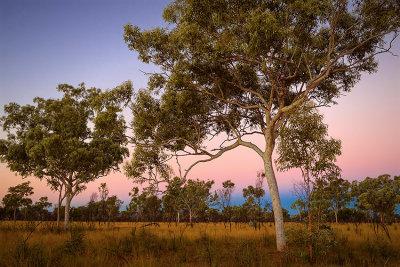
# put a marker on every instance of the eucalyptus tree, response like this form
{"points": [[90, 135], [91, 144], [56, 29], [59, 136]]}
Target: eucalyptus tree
{"points": [[378, 195], [196, 197], [337, 192], [113, 204], [298, 205], [171, 199], [17, 197], [73, 140], [135, 206], [304, 144], [103, 192], [41, 207], [238, 68], [224, 200], [254, 199]]}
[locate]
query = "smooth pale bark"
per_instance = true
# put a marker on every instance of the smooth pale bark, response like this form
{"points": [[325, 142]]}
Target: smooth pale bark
{"points": [[67, 207], [276, 204]]}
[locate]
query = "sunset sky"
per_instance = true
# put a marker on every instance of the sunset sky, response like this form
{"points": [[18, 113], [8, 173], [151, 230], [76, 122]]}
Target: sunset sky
{"points": [[47, 42]]}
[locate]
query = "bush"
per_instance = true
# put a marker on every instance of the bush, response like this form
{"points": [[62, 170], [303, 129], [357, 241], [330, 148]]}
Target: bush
{"points": [[76, 242], [322, 240], [380, 251]]}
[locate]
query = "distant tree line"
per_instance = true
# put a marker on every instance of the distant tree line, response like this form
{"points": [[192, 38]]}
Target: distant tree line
{"points": [[372, 200]]}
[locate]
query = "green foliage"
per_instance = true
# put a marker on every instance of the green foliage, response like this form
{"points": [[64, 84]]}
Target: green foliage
{"points": [[323, 241], [336, 191], [148, 165], [145, 206], [171, 200], [75, 244], [226, 62], [196, 197], [224, 199], [304, 144], [68, 141], [113, 204], [238, 68], [378, 195], [18, 196]]}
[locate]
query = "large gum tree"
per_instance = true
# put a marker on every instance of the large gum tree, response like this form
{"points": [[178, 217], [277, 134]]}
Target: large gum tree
{"points": [[238, 68]]}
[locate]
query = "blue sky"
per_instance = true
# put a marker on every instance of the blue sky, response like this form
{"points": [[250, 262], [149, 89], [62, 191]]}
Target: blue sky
{"points": [[44, 43]]}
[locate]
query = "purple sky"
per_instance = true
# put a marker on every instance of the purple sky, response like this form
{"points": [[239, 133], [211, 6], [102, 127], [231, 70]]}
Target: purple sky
{"points": [[44, 43]]}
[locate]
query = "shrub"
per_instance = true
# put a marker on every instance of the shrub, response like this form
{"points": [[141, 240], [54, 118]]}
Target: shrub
{"points": [[76, 242]]}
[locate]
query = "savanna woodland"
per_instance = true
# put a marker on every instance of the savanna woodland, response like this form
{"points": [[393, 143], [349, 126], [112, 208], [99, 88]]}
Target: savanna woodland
{"points": [[230, 73]]}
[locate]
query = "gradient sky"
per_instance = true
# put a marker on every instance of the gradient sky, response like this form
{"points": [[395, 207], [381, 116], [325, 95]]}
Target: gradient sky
{"points": [[47, 42]]}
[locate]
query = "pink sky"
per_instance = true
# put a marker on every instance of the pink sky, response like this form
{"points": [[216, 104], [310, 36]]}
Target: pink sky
{"points": [[73, 42], [366, 120]]}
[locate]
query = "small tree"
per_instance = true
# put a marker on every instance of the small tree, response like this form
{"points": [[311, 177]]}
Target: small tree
{"points": [[298, 205], [224, 200], [304, 144], [113, 204], [337, 192], [18, 197], [41, 207], [172, 199], [196, 197], [93, 206], [103, 191], [72, 140], [253, 196], [378, 195]]}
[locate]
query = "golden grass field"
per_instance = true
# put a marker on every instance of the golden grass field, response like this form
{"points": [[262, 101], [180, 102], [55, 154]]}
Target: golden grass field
{"points": [[203, 244]]}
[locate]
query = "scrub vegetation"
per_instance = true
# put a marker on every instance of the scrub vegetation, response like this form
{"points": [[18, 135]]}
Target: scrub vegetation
{"points": [[202, 244]]}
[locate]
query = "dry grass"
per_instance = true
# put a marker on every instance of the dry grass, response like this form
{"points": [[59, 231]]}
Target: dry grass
{"points": [[204, 244]]}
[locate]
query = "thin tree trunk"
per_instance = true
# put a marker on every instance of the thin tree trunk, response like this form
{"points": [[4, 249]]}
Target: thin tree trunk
{"points": [[190, 216], [336, 217], [309, 217], [58, 214], [59, 208], [276, 204], [15, 211]]}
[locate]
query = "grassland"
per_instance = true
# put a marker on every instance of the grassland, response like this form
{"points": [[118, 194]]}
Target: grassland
{"points": [[203, 244]]}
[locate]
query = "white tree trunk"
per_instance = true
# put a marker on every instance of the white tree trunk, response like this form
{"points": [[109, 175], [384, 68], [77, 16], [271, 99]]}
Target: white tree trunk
{"points": [[67, 207], [276, 204]]}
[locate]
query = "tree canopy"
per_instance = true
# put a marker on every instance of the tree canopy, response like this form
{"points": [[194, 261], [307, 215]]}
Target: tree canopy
{"points": [[239, 67], [378, 195], [68, 141]]}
